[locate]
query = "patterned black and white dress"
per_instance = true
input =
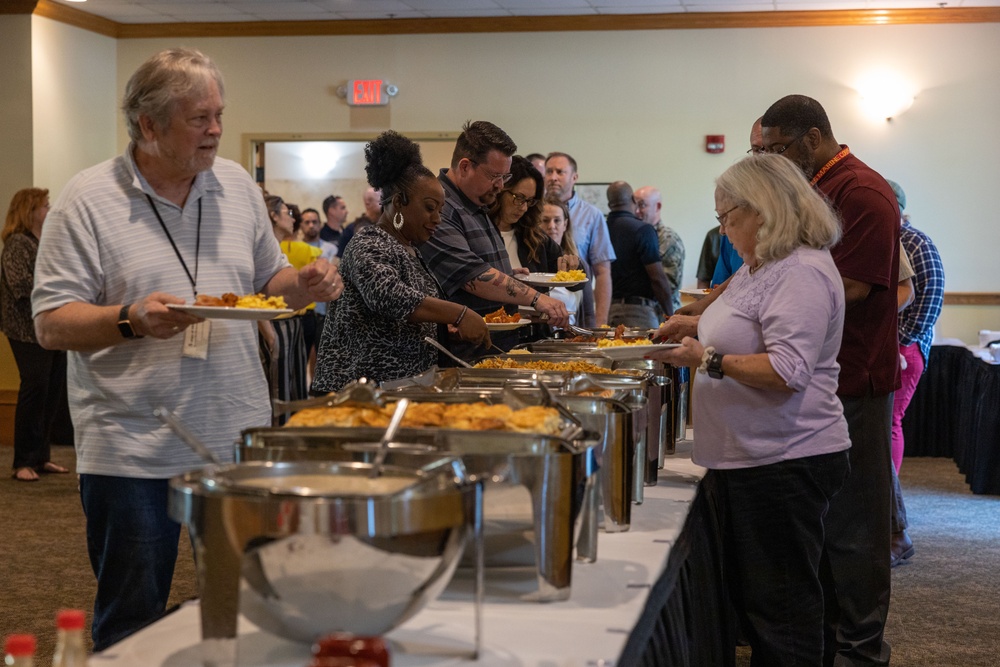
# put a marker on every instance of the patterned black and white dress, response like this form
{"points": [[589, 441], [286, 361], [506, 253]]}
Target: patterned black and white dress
{"points": [[366, 333]]}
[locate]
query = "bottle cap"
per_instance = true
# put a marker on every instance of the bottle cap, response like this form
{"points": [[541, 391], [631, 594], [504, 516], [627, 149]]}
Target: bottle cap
{"points": [[70, 619], [19, 645]]}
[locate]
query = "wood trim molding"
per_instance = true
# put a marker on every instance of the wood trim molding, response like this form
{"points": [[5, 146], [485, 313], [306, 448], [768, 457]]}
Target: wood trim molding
{"points": [[80, 19], [8, 396], [972, 299], [500, 24]]}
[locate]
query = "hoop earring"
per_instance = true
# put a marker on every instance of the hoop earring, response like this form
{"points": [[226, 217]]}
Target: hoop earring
{"points": [[397, 221]]}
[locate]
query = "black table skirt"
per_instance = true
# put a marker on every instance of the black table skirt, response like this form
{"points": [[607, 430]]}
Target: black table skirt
{"points": [[687, 620], [955, 412]]}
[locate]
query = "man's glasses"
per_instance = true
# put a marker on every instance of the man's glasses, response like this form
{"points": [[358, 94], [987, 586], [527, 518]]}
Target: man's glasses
{"points": [[494, 178], [784, 147], [520, 200], [721, 218], [757, 150]]}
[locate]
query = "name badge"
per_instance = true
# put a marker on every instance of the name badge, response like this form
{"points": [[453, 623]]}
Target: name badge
{"points": [[196, 340]]}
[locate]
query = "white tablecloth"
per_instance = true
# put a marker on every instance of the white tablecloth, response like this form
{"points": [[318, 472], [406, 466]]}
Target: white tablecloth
{"points": [[588, 630]]}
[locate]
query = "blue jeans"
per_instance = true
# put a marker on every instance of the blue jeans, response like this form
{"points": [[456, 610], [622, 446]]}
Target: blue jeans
{"points": [[772, 543], [132, 545]]}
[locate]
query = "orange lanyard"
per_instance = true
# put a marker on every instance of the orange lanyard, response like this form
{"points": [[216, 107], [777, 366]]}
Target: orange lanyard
{"points": [[829, 165]]}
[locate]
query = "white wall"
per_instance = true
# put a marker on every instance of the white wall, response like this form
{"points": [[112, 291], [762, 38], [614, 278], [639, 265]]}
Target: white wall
{"points": [[75, 95], [636, 105]]}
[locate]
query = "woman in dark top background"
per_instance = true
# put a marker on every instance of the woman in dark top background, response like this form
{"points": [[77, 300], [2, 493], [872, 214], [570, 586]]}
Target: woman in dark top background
{"points": [[391, 301], [43, 372]]}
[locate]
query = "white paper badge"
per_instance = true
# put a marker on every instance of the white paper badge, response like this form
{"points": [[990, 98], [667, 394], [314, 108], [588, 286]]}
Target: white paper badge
{"points": [[196, 340]]}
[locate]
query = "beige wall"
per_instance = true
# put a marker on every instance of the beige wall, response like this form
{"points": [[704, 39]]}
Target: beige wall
{"points": [[75, 92], [58, 111], [628, 105]]}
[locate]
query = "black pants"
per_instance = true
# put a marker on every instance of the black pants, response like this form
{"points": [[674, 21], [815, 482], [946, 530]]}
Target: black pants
{"points": [[772, 545], [855, 568], [43, 381]]}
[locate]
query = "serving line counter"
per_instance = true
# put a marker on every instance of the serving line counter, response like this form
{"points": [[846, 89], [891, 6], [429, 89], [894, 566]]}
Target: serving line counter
{"points": [[652, 598], [955, 412]]}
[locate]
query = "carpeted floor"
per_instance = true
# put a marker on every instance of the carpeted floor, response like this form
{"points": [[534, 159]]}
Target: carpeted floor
{"points": [[944, 601]]}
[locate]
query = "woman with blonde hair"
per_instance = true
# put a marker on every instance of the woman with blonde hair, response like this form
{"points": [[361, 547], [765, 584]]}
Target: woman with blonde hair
{"points": [[43, 372], [771, 430]]}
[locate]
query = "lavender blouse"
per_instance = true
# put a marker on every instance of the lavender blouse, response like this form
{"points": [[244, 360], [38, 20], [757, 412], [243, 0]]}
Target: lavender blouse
{"points": [[792, 309]]}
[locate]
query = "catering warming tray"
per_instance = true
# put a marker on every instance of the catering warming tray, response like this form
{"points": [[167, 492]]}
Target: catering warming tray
{"points": [[536, 485], [307, 548]]}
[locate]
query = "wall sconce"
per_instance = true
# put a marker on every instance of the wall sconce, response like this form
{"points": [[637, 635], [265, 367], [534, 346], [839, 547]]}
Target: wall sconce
{"points": [[885, 94]]}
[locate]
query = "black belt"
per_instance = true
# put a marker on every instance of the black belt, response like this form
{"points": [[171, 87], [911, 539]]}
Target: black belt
{"points": [[638, 301]]}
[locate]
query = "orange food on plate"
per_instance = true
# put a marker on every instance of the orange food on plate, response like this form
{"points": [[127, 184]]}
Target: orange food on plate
{"points": [[500, 316]]}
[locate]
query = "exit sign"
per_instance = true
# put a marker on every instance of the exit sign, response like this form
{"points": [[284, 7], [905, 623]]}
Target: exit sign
{"points": [[367, 93]]}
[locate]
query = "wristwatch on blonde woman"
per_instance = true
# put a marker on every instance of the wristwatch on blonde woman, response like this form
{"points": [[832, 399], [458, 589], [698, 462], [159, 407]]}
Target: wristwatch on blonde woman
{"points": [[714, 368]]}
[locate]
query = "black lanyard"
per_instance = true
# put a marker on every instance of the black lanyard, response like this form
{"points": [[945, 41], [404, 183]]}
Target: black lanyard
{"points": [[197, 245]]}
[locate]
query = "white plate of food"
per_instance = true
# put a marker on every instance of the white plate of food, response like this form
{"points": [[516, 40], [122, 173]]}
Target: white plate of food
{"points": [[619, 352], [548, 280], [506, 326], [696, 293], [230, 313]]}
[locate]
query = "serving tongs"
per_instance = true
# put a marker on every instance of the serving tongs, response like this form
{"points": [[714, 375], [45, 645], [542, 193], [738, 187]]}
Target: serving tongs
{"points": [[358, 393]]}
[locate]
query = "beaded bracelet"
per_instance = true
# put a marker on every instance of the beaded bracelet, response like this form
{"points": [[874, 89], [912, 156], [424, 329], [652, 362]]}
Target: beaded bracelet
{"points": [[458, 321], [705, 357]]}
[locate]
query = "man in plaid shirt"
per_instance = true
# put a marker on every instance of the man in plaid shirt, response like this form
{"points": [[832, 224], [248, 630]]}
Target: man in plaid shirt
{"points": [[916, 322]]}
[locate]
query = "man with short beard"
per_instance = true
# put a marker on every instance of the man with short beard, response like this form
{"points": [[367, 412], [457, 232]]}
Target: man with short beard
{"points": [[590, 230], [466, 253], [855, 571]]}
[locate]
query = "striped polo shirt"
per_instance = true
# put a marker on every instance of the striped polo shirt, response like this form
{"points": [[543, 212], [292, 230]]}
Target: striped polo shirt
{"points": [[102, 244]]}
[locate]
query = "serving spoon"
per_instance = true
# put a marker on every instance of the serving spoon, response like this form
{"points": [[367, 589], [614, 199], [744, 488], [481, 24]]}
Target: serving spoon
{"points": [[433, 343], [387, 437]]}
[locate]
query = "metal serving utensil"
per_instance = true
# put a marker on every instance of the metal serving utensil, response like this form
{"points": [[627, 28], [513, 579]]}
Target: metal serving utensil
{"points": [[192, 441], [387, 437], [433, 343], [359, 393]]}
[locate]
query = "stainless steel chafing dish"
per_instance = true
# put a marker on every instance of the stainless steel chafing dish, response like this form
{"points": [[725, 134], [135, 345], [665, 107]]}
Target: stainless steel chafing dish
{"points": [[635, 389], [564, 356], [307, 548], [536, 485], [608, 417], [662, 411]]}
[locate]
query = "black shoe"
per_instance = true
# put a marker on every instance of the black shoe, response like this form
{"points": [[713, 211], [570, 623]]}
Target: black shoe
{"points": [[901, 548]]}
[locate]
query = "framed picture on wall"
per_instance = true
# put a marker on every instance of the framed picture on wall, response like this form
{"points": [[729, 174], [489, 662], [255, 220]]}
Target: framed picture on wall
{"points": [[594, 193]]}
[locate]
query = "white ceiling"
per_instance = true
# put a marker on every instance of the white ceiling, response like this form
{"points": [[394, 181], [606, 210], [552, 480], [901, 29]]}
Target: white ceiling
{"points": [[211, 11]]}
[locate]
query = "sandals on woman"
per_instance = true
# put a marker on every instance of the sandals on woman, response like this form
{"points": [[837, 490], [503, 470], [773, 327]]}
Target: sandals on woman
{"points": [[25, 475], [29, 474]]}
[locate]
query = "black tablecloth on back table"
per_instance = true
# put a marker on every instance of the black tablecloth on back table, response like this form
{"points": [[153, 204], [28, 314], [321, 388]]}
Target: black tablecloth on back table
{"points": [[955, 412]]}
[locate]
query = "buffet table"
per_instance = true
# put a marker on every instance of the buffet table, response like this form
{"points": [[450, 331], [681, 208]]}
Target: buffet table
{"points": [[955, 412], [653, 597]]}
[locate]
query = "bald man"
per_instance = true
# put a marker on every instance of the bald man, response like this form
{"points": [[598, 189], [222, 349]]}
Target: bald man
{"points": [[373, 209], [648, 208], [641, 294]]}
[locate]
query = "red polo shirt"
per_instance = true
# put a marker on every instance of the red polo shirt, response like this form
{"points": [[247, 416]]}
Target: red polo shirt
{"points": [[868, 252]]}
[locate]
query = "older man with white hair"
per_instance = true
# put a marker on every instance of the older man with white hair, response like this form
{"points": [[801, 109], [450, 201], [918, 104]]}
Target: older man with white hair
{"points": [[648, 208]]}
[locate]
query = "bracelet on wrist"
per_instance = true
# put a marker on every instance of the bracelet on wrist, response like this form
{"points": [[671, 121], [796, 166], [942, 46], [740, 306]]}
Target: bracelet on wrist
{"points": [[461, 315], [535, 300], [706, 356]]}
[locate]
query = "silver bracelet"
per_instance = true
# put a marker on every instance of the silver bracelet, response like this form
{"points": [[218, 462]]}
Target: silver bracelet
{"points": [[705, 357]]}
